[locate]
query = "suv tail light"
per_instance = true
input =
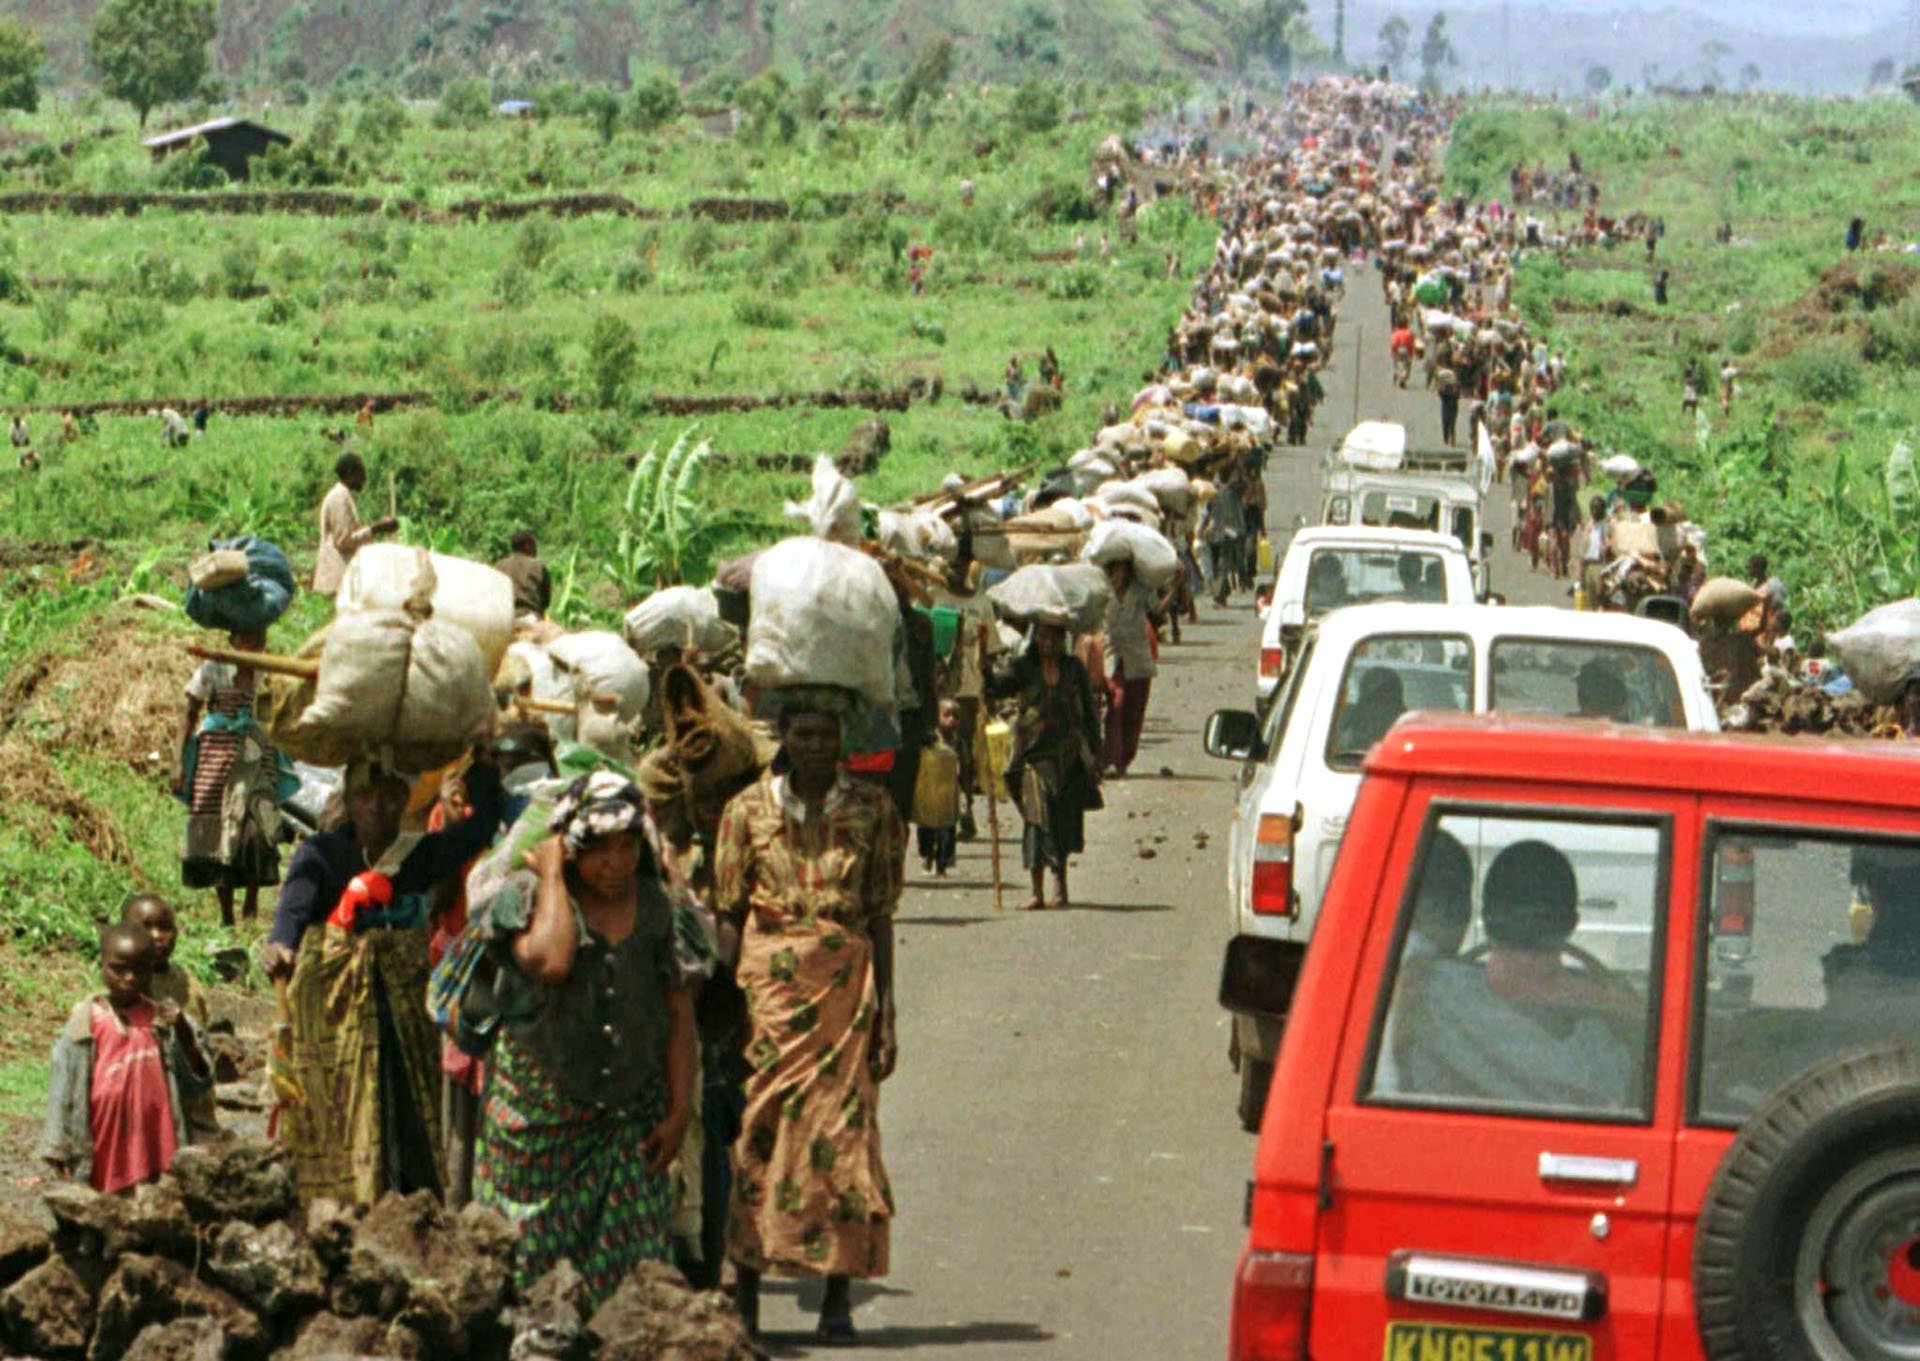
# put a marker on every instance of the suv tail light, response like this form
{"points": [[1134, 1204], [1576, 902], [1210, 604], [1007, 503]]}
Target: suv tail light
{"points": [[1273, 867], [1271, 1292], [1733, 921], [1271, 659]]}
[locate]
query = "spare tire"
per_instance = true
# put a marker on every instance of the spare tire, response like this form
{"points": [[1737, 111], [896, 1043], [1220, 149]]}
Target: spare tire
{"points": [[1808, 1245]]}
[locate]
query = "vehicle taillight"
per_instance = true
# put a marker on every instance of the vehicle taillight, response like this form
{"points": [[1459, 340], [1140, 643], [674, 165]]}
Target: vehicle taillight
{"points": [[1271, 1292], [1273, 867], [1271, 659], [1733, 923]]}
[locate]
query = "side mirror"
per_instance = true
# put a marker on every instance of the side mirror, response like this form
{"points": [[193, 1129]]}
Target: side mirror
{"points": [[1486, 544], [1233, 735], [1494, 598]]}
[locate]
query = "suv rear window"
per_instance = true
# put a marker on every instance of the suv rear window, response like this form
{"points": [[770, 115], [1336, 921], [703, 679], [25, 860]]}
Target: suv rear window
{"points": [[1813, 949], [1563, 679], [1337, 577], [1396, 674], [1525, 981]]}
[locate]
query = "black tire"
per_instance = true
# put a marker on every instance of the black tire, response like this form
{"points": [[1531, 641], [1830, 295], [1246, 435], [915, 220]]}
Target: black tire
{"points": [[1256, 1075], [1784, 1199]]}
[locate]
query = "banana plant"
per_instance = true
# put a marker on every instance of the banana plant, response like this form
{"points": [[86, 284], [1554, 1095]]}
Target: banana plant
{"points": [[666, 532]]}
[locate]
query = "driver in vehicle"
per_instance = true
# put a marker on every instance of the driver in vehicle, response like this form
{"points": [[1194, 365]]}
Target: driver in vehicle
{"points": [[1326, 585], [1519, 1025], [1381, 701], [1600, 691]]}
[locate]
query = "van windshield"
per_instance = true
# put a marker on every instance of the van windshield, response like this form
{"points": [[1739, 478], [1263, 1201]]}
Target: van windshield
{"points": [[1393, 675], [1337, 577], [1560, 678]]}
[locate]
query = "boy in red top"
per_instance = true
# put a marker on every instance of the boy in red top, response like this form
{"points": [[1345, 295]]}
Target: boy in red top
{"points": [[1400, 345], [121, 1068]]}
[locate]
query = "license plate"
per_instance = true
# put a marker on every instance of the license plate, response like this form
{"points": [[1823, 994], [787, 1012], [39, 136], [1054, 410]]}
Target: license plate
{"points": [[1445, 1342]]}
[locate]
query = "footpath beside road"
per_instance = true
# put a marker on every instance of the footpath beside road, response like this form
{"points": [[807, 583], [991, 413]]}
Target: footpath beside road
{"points": [[1061, 1132]]}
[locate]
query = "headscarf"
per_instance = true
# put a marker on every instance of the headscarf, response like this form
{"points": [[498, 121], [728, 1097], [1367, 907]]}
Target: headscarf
{"points": [[601, 804]]}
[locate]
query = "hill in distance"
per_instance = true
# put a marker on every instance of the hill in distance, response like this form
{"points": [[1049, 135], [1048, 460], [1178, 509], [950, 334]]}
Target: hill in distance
{"points": [[850, 41]]}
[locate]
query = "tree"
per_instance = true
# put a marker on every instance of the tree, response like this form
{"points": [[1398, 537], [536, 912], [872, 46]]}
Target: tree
{"points": [[1599, 80], [1340, 32], [925, 79], [1880, 74], [1394, 37], [1436, 51], [1749, 76], [612, 352], [656, 100], [20, 58], [1710, 55], [150, 52], [1266, 32], [602, 108]]}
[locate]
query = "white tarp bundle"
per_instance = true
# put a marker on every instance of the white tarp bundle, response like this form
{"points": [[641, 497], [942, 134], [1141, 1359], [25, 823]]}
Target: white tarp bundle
{"points": [[821, 614]]}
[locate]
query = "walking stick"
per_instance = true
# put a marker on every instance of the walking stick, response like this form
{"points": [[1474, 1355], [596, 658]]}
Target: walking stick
{"points": [[993, 781]]}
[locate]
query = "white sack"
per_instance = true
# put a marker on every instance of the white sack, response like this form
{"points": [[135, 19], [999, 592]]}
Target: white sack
{"points": [[385, 576], [602, 663], [678, 616], [387, 681], [823, 614], [833, 510], [1154, 560], [1880, 651]]}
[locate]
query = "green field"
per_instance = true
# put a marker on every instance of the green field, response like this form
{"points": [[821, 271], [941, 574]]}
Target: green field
{"points": [[1827, 344], [539, 352]]}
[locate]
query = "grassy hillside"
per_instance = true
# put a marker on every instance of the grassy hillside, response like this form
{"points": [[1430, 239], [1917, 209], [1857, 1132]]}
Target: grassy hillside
{"points": [[511, 334], [849, 41], [1827, 343]]}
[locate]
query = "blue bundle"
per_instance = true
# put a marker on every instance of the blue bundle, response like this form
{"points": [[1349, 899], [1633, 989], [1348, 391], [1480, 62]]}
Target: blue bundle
{"points": [[249, 605]]}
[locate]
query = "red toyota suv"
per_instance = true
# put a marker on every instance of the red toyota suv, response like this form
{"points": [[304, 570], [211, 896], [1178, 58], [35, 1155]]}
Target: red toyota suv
{"points": [[1607, 1048]]}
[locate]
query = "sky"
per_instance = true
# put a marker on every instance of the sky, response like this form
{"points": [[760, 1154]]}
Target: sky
{"points": [[1787, 16]]}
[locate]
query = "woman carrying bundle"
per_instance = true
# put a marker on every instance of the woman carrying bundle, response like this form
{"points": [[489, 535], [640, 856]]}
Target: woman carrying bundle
{"points": [[590, 1088], [228, 776], [1055, 773], [351, 929], [809, 867]]}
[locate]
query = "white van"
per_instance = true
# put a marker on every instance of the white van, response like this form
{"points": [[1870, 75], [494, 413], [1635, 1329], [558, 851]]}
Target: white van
{"points": [[1329, 567], [1358, 671]]}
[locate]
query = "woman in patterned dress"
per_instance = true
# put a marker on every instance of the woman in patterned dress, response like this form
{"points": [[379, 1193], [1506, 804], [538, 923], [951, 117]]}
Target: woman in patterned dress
{"points": [[590, 1082], [808, 870], [228, 775]]}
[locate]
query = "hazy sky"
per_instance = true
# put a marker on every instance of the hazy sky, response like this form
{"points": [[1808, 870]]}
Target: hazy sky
{"points": [[1827, 16]]}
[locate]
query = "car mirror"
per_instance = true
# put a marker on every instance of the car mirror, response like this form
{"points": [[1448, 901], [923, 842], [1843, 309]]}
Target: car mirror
{"points": [[1486, 543], [1495, 598], [1233, 735]]}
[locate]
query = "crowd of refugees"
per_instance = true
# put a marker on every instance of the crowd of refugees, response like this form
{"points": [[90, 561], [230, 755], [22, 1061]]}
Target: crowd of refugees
{"points": [[643, 1005]]}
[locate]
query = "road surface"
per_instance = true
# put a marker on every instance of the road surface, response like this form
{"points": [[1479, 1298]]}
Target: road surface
{"points": [[1061, 1134]]}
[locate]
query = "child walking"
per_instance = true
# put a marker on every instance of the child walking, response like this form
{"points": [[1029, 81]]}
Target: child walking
{"points": [[182, 989], [115, 1114], [937, 850]]}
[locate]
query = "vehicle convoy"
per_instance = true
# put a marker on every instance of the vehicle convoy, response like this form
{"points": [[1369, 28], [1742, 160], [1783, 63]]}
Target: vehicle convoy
{"points": [[1358, 671], [1374, 479], [1327, 568], [1605, 1058]]}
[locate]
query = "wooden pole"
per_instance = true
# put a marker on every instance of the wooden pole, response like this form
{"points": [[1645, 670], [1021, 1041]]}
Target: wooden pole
{"points": [[992, 781], [393, 497], [1359, 357], [303, 668]]}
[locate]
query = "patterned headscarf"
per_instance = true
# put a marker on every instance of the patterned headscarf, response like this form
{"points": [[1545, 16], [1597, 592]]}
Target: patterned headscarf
{"points": [[601, 804]]}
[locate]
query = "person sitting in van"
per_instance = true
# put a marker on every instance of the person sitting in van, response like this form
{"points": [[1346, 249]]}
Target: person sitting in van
{"points": [[1520, 1025], [1600, 692], [1326, 585], [1381, 701]]}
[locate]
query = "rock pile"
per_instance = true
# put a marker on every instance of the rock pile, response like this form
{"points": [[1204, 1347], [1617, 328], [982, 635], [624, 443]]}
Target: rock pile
{"points": [[217, 1261]]}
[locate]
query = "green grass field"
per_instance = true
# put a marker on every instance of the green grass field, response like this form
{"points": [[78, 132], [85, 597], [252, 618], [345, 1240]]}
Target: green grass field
{"points": [[1806, 469], [184, 305]]}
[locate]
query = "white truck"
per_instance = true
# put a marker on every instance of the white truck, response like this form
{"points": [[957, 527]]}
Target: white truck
{"points": [[1358, 671], [1374, 479], [1329, 567]]}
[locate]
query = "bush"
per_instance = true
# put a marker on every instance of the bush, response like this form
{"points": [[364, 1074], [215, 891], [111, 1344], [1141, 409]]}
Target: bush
{"points": [[1062, 201], [1036, 107], [463, 104], [537, 241], [1075, 283], [613, 351], [1893, 336], [655, 100], [761, 314], [240, 268], [697, 247], [1826, 372]]}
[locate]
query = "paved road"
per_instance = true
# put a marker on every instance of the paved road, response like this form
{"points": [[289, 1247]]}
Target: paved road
{"points": [[1061, 1132]]}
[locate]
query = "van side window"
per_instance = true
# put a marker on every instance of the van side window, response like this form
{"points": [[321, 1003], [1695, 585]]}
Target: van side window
{"points": [[1560, 678], [1396, 674], [1525, 982], [1813, 949]]}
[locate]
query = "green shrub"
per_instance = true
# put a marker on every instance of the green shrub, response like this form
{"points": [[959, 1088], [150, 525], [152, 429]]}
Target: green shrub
{"points": [[761, 314], [240, 268], [1036, 107], [513, 286], [1893, 336], [697, 247], [613, 351], [1073, 283], [655, 100], [537, 241], [1825, 372], [463, 104], [1061, 201]]}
